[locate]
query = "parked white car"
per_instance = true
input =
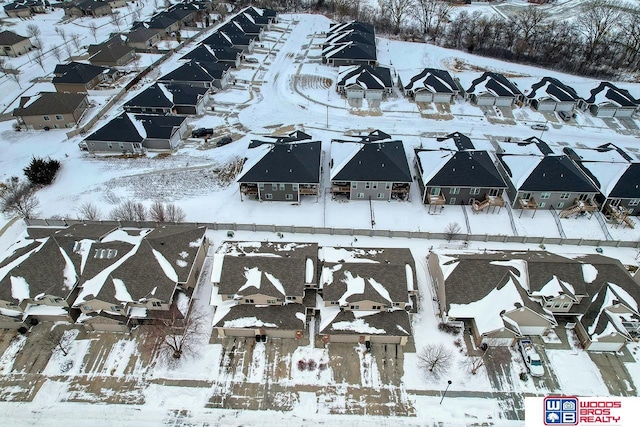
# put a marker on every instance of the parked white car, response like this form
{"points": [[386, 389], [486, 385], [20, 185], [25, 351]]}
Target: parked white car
{"points": [[531, 358]]}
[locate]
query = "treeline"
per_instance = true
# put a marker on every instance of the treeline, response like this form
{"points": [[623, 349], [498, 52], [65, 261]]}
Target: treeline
{"points": [[601, 40]]}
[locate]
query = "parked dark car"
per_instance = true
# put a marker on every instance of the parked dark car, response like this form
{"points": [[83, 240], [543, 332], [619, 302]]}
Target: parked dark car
{"points": [[200, 132], [224, 141], [565, 115]]}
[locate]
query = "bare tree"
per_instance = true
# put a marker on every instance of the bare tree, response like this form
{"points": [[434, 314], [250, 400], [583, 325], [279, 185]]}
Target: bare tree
{"points": [[62, 33], [157, 212], [75, 39], [129, 211], [177, 335], [397, 11], [57, 52], [431, 14], [528, 22], [35, 32], [175, 213], [56, 339], [597, 24], [435, 358], [14, 74], [89, 211], [116, 19], [17, 197], [93, 27], [472, 364], [38, 56], [451, 230]]}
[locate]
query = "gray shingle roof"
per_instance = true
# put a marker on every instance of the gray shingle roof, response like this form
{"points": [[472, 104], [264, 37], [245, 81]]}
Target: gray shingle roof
{"points": [[8, 38], [51, 103], [377, 161], [393, 323], [284, 317], [297, 162]]}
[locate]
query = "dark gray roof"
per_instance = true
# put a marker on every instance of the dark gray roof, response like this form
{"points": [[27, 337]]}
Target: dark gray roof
{"points": [[186, 94], [120, 129], [160, 127], [151, 97], [469, 168], [52, 103], [77, 72], [297, 162], [496, 83], [551, 87], [286, 262], [86, 231], [246, 24], [141, 34], [200, 53], [284, 317], [383, 161], [370, 77], [393, 323], [218, 39], [351, 51], [8, 38], [352, 25], [618, 96], [296, 135], [555, 173], [194, 71], [628, 185], [542, 146], [111, 53], [162, 21], [350, 36], [461, 141], [440, 81]]}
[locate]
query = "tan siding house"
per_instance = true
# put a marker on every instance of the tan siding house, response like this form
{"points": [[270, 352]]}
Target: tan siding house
{"points": [[51, 110]]}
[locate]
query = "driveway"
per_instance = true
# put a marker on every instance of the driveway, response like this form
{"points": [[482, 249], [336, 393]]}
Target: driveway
{"points": [[615, 375]]}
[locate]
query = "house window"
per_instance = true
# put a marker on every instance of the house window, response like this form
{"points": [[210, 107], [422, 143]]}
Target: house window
{"points": [[454, 190], [560, 205], [549, 304], [261, 186], [435, 191], [374, 185], [542, 204], [288, 196], [396, 304], [380, 195], [274, 187], [565, 195], [46, 118], [360, 195], [376, 307], [291, 298], [474, 191], [121, 145], [56, 127], [387, 186], [545, 195], [354, 185], [115, 308], [525, 196], [248, 301], [281, 187], [59, 117], [367, 185], [110, 145], [566, 305], [87, 307], [452, 201], [355, 307], [634, 202], [557, 305], [55, 300], [268, 196], [156, 304], [294, 187], [334, 303], [271, 301]]}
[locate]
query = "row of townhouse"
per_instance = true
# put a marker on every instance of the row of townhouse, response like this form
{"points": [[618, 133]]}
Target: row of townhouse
{"points": [[490, 89], [502, 296], [449, 171], [103, 277], [350, 43], [277, 289]]}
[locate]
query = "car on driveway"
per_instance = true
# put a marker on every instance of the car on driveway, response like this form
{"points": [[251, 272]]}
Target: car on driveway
{"points": [[531, 358], [251, 60], [224, 141], [539, 127], [201, 132], [565, 115]]}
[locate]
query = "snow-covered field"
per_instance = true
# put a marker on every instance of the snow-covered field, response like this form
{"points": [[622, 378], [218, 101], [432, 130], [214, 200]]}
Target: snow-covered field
{"points": [[289, 89]]}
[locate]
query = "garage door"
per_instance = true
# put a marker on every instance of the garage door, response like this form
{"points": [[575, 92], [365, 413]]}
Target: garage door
{"points": [[238, 332], [624, 113], [107, 327], [606, 112], [344, 338], [373, 94], [485, 100], [442, 98], [604, 346], [565, 106], [532, 330], [546, 106], [424, 96], [382, 339], [504, 102], [355, 93]]}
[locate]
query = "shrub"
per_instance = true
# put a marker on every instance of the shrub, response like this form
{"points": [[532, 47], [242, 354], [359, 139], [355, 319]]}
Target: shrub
{"points": [[450, 329], [301, 364], [41, 171], [311, 365]]}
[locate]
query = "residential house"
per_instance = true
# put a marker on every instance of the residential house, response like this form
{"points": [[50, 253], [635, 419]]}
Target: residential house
{"points": [[132, 134], [279, 171], [493, 89], [550, 94], [12, 44], [371, 169], [238, 39], [262, 21], [77, 77], [113, 55], [347, 36], [364, 294], [153, 100], [205, 74], [221, 39], [505, 295], [51, 110], [188, 99], [608, 100], [143, 38], [164, 24], [428, 85], [364, 81], [224, 54], [25, 8], [459, 175], [39, 277], [262, 15], [264, 288], [136, 276], [536, 178], [616, 175], [93, 8], [185, 13], [351, 25], [350, 53], [247, 25]]}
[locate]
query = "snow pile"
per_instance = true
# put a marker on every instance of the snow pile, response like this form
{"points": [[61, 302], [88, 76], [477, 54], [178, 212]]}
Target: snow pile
{"points": [[359, 325]]}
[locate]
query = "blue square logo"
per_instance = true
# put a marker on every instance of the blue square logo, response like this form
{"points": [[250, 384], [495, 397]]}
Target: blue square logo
{"points": [[561, 411]]}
